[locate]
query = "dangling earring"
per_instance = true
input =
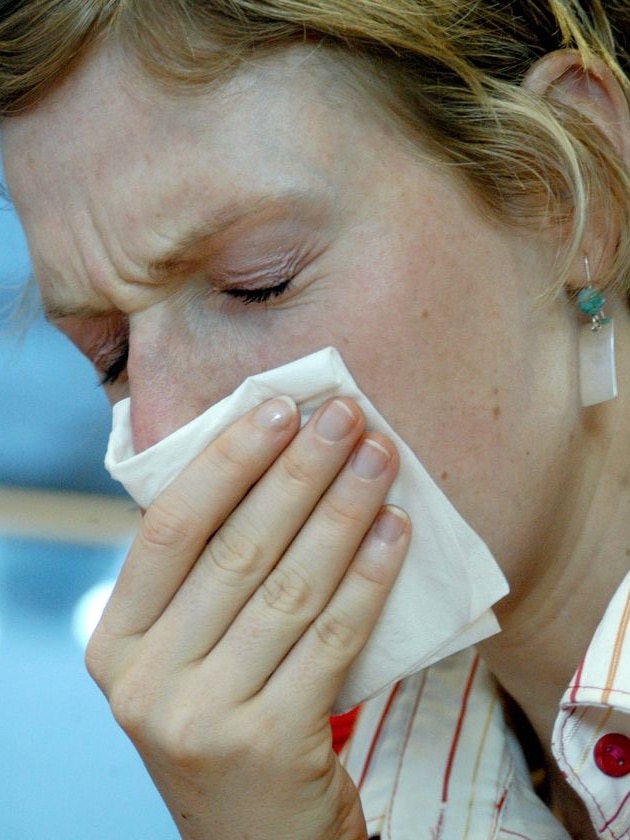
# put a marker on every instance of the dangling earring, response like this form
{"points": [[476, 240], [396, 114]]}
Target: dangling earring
{"points": [[598, 378]]}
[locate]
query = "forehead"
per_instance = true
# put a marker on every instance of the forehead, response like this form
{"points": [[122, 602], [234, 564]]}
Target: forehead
{"points": [[106, 117], [108, 171]]}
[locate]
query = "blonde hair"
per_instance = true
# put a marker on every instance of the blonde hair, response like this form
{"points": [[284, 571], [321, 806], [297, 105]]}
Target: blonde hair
{"points": [[450, 71]]}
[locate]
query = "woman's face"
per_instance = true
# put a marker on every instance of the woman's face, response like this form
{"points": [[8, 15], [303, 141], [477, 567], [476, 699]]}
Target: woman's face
{"points": [[238, 229]]}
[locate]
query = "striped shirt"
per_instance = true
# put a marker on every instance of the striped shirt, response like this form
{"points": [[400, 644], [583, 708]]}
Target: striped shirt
{"points": [[591, 739], [434, 758]]}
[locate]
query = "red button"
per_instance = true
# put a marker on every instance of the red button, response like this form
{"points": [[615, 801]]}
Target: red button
{"points": [[612, 754]]}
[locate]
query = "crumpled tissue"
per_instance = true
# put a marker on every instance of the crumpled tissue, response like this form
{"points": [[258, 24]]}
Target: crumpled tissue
{"points": [[441, 602]]}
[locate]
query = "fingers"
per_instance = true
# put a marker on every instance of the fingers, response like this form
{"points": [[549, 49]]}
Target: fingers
{"points": [[314, 671], [299, 587], [255, 536], [178, 524], [262, 545]]}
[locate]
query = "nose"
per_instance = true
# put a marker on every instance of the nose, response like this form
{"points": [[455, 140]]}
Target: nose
{"points": [[156, 409]]}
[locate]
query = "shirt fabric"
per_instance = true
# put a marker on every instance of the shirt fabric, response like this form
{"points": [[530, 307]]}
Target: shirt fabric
{"points": [[594, 710], [434, 758]]}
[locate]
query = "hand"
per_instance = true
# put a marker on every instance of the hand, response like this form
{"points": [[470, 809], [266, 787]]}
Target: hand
{"points": [[254, 582]]}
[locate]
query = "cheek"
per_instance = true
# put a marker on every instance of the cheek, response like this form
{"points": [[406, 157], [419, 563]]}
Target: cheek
{"points": [[485, 407], [443, 390]]}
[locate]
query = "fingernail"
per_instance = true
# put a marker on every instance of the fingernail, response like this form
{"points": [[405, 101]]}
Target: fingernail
{"points": [[276, 413], [391, 524], [335, 422], [370, 460]]}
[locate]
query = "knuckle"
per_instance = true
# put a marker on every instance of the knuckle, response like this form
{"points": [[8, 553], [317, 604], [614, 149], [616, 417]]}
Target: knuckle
{"points": [[229, 458], [164, 528], [133, 689], [343, 513], [131, 705], [102, 653], [181, 740], [295, 471], [234, 556], [97, 660], [286, 591], [159, 718], [336, 632], [191, 740]]}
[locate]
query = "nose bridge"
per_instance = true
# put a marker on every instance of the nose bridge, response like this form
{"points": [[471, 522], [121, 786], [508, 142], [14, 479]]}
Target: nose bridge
{"points": [[176, 371], [160, 381], [156, 409]]}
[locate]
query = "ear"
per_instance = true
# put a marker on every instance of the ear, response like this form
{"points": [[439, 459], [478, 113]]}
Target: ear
{"points": [[592, 89]]}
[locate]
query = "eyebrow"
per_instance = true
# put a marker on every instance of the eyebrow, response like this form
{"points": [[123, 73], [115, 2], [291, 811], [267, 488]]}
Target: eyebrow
{"points": [[54, 311], [229, 216], [172, 262]]}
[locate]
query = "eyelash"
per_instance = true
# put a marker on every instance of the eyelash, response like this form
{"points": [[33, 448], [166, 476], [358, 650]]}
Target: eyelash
{"points": [[117, 364], [259, 295]]}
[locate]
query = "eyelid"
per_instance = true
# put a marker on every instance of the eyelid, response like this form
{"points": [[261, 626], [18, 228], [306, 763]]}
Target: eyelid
{"points": [[260, 295]]}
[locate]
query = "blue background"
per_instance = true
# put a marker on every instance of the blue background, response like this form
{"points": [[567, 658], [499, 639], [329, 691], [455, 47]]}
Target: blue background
{"points": [[66, 771], [55, 418]]}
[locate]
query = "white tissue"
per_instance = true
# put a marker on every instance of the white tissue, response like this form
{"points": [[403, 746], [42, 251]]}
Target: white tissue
{"points": [[442, 598]]}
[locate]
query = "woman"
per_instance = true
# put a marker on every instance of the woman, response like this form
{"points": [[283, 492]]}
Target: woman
{"points": [[213, 189]]}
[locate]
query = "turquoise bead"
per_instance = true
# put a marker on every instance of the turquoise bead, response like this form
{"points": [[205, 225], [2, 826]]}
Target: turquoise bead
{"points": [[590, 302]]}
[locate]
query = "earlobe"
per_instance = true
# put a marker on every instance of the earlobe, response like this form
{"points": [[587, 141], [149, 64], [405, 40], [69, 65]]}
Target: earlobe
{"points": [[592, 89]]}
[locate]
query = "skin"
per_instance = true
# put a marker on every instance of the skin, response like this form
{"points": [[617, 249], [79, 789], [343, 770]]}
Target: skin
{"points": [[147, 215]]}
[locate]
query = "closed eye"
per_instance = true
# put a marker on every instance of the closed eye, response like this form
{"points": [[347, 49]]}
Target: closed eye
{"points": [[259, 295], [115, 364]]}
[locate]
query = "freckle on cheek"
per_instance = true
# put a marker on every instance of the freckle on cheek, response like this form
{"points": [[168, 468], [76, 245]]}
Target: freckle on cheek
{"points": [[497, 411], [444, 476], [425, 313]]}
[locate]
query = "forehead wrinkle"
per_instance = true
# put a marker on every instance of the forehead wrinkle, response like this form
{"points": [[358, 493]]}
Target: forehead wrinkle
{"points": [[172, 263]]}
